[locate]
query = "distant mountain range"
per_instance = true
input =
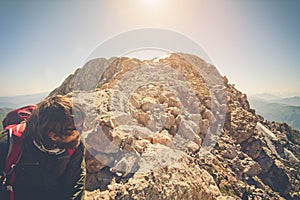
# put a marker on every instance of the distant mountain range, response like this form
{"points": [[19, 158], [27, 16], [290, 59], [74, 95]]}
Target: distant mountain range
{"points": [[9, 103], [21, 100], [293, 101], [270, 98], [278, 109]]}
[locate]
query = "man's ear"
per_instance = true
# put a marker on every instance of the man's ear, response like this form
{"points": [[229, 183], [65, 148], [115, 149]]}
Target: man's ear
{"points": [[53, 136]]}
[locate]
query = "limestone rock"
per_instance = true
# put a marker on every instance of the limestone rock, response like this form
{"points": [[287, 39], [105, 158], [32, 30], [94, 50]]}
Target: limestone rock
{"points": [[150, 125]]}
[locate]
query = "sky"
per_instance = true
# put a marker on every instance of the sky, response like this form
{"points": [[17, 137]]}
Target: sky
{"points": [[254, 43]]}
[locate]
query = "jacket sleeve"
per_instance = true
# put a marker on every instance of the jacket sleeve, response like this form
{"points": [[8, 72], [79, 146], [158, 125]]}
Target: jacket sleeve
{"points": [[75, 175]]}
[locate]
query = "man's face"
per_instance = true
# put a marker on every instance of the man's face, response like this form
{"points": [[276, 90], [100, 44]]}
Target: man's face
{"points": [[71, 138]]}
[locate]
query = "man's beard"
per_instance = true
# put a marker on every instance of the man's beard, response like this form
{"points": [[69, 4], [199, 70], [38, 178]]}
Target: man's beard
{"points": [[69, 145]]}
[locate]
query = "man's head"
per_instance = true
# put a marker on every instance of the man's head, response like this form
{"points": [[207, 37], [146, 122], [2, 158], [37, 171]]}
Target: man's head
{"points": [[56, 122]]}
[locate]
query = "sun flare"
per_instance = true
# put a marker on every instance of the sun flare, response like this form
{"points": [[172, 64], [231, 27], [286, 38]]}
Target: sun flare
{"points": [[152, 2]]}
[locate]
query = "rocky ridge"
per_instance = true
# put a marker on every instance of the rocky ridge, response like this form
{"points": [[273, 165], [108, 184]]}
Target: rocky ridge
{"points": [[147, 134]]}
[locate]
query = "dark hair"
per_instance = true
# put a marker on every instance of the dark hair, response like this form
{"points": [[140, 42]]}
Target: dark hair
{"points": [[54, 114]]}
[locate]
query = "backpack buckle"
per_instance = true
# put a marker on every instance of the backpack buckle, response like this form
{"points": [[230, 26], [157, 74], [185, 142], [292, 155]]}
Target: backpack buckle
{"points": [[2, 175], [3, 178], [9, 188]]}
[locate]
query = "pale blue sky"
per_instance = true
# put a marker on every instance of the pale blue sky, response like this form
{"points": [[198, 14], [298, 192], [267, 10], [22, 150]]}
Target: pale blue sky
{"points": [[256, 44]]}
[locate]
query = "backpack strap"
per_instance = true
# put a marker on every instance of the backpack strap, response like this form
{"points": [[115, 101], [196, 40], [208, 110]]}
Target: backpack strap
{"points": [[15, 150], [15, 147]]}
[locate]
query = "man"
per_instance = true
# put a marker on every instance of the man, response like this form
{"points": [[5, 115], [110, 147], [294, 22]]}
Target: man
{"points": [[47, 169]]}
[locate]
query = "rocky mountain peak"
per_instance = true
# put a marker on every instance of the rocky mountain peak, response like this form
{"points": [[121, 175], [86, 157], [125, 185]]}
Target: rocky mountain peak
{"points": [[174, 128]]}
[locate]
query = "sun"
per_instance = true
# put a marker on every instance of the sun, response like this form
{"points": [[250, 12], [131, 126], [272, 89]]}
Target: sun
{"points": [[152, 2]]}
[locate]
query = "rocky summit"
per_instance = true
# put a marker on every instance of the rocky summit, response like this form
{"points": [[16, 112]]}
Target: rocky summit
{"points": [[174, 128]]}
